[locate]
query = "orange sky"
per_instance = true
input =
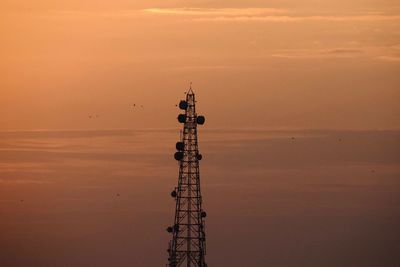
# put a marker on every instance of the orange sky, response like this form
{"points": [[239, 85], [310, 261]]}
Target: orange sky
{"points": [[264, 64]]}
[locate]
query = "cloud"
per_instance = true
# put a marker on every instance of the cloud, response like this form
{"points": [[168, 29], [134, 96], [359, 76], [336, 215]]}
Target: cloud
{"points": [[318, 53], [289, 18], [221, 15], [392, 54], [342, 51], [206, 68], [22, 181], [388, 53], [265, 15], [389, 58], [214, 11], [85, 14]]}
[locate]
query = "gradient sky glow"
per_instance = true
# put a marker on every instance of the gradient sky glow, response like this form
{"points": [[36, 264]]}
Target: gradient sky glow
{"points": [[263, 64], [301, 143]]}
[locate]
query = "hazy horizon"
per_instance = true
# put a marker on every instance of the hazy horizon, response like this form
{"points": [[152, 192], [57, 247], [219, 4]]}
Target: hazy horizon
{"points": [[324, 198]]}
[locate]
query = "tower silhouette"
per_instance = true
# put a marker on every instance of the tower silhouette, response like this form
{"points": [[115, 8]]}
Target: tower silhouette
{"points": [[187, 246]]}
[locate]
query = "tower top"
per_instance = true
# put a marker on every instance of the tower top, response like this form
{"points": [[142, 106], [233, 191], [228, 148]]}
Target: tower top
{"points": [[190, 91]]}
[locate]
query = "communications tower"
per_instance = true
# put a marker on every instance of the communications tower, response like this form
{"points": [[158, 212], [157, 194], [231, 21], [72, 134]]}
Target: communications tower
{"points": [[188, 243]]}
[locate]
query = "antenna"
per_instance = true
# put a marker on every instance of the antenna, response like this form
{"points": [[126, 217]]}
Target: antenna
{"points": [[190, 91], [188, 242]]}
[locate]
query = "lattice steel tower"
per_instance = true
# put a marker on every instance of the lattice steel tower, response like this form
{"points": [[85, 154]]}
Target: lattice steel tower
{"points": [[188, 244]]}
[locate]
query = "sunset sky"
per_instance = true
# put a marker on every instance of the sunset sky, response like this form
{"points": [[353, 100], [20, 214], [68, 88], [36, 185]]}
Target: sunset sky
{"points": [[301, 143], [254, 64]]}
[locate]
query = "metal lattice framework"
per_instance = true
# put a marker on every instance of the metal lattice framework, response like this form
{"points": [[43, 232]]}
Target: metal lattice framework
{"points": [[188, 247]]}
